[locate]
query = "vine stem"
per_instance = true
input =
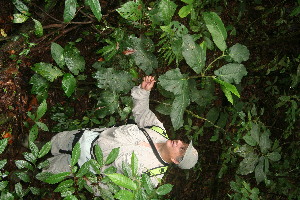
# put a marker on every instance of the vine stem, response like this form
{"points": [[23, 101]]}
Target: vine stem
{"points": [[210, 65]]}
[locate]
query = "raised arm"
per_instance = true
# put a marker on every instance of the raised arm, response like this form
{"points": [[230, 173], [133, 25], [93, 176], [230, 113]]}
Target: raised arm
{"points": [[142, 114]]}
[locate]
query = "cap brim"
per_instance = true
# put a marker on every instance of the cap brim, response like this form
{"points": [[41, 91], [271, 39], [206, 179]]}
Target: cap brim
{"points": [[190, 158]]}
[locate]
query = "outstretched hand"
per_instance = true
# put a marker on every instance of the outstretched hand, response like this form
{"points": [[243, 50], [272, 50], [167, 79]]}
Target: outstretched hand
{"points": [[148, 83]]}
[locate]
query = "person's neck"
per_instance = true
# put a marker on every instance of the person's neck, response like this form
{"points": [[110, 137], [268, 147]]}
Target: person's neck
{"points": [[162, 152]]}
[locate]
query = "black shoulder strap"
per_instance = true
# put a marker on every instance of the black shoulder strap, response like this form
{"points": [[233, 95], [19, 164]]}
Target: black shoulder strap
{"points": [[153, 147]]}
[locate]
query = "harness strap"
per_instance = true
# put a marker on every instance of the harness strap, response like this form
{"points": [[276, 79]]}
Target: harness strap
{"points": [[159, 130], [156, 171], [153, 147]]}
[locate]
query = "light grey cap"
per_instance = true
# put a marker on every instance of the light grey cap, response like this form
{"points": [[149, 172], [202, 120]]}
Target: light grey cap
{"points": [[190, 158]]}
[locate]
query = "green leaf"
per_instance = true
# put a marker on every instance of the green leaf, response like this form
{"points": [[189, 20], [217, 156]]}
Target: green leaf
{"points": [[147, 183], [33, 133], [173, 81], [42, 126], [41, 110], [117, 81], [45, 149], [39, 86], [74, 61], [185, 10], [228, 88], [35, 191], [164, 189], [143, 56], [34, 149], [259, 170], [193, 53], [57, 53], [75, 154], [112, 156], [99, 155], [84, 169], [70, 10], [3, 144], [178, 107], [56, 178], [43, 176], [216, 28], [30, 157], [131, 10], [19, 190], [212, 116], [188, 1], [248, 164], [19, 18], [239, 53], [38, 28], [124, 195], [3, 163], [250, 140], [108, 102], [3, 185], [43, 164], [68, 84], [122, 181], [47, 70], [165, 107], [110, 170], [21, 164], [64, 185], [163, 12], [96, 8], [265, 142], [231, 73], [254, 132], [274, 156], [134, 164], [21, 7], [23, 176]]}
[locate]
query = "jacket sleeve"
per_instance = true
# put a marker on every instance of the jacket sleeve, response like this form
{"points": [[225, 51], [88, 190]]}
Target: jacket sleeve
{"points": [[142, 114]]}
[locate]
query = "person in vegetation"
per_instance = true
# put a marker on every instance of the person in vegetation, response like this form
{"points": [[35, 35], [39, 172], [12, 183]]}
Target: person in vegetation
{"points": [[146, 137]]}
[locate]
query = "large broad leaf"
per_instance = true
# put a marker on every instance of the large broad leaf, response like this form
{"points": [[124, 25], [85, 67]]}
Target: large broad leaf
{"points": [[112, 156], [99, 155], [163, 12], [56, 178], [57, 53], [255, 131], [19, 18], [117, 81], [178, 107], [164, 189], [74, 61], [122, 181], [173, 81], [96, 8], [47, 70], [45, 149], [64, 185], [260, 174], [70, 10], [193, 53], [41, 110], [143, 56], [216, 28], [75, 154], [38, 28], [124, 195], [39, 86], [228, 89], [165, 107], [21, 164], [265, 142], [231, 73], [69, 84], [108, 104], [204, 96], [20, 6], [248, 164], [212, 116], [131, 10], [239, 53], [185, 10], [3, 144]]}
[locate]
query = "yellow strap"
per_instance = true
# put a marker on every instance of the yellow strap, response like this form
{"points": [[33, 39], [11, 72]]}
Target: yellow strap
{"points": [[156, 171], [160, 131]]}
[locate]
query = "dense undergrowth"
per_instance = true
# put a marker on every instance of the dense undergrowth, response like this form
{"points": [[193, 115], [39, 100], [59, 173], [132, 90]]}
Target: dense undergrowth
{"points": [[217, 82]]}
